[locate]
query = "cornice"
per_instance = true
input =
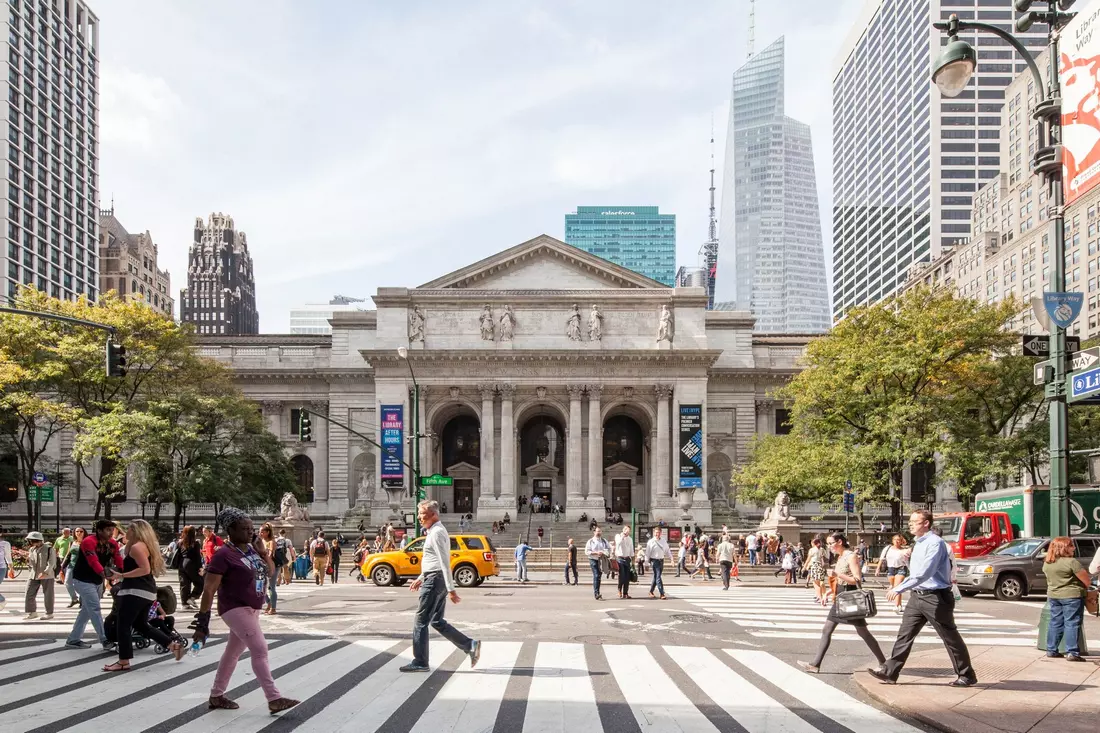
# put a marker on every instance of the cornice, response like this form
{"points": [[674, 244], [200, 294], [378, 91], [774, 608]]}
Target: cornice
{"points": [[753, 374], [265, 339], [785, 339], [682, 298], [698, 357]]}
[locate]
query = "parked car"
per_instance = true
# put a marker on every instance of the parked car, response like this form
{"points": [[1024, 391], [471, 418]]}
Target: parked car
{"points": [[473, 559], [1015, 569], [972, 534]]}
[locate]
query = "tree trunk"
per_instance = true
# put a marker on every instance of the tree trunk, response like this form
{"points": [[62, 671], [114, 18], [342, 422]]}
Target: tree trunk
{"points": [[98, 505], [156, 510], [177, 506], [106, 506]]}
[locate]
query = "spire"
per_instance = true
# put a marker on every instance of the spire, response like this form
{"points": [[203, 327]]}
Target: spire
{"points": [[709, 251], [712, 229], [752, 26]]}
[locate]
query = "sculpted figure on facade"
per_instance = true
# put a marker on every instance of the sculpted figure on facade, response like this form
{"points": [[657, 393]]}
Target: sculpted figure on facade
{"points": [[416, 324], [507, 324], [665, 327], [488, 328], [573, 325], [595, 324]]}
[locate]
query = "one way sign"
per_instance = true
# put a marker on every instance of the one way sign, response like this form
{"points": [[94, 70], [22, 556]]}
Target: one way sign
{"points": [[1040, 345], [1085, 359]]}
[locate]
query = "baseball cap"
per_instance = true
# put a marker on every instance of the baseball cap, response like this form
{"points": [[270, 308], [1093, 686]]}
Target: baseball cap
{"points": [[35, 536]]}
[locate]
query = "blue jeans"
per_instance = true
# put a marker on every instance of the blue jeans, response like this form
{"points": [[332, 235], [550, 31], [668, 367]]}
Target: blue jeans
{"points": [[433, 601], [272, 596], [89, 611], [521, 569], [752, 557], [658, 582], [3, 577], [1066, 615], [596, 575]]}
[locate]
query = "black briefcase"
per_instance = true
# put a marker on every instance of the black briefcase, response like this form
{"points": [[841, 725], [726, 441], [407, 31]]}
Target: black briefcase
{"points": [[855, 604]]}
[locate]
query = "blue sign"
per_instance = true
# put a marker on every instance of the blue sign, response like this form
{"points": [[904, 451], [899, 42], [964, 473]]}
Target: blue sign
{"points": [[38, 478], [393, 442], [1063, 308], [1084, 384], [848, 484], [691, 447]]}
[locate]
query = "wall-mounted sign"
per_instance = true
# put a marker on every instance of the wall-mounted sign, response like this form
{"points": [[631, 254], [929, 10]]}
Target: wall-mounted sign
{"points": [[691, 447], [393, 442]]}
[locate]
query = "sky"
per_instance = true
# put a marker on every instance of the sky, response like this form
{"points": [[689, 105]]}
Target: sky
{"points": [[363, 144]]}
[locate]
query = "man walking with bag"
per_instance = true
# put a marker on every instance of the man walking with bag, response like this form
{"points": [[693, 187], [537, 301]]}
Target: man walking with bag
{"points": [[596, 549], [931, 602], [319, 551], [656, 551], [623, 549]]}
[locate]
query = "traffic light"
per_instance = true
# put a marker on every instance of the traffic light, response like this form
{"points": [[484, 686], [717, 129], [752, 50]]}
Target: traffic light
{"points": [[305, 429], [116, 359]]}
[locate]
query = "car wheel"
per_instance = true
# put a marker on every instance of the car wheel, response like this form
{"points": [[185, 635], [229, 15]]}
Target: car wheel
{"points": [[466, 576], [968, 593], [382, 575], [1009, 587]]}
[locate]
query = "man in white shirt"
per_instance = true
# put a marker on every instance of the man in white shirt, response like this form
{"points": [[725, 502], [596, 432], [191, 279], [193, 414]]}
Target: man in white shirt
{"points": [[751, 545], [1094, 566], [726, 557], [435, 584], [596, 548], [656, 552], [622, 548]]}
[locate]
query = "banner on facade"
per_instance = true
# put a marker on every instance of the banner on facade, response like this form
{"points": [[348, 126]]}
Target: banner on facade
{"points": [[393, 444], [1079, 74], [691, 447]]}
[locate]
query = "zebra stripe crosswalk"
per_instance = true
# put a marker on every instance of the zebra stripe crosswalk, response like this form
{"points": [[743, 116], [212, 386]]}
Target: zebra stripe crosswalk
{"points": [[528, 686]]}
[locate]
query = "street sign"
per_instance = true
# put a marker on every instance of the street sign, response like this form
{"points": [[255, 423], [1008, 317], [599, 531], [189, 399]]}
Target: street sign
{"points": [[40, 493], [38, 478], [1085, 359], [849, 502], [1084, 385], [1038, 345], [436, 480], [848, 484], [1063, 308]]}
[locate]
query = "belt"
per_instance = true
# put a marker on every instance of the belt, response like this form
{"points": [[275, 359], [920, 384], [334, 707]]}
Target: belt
{"points": [[930, 592]]}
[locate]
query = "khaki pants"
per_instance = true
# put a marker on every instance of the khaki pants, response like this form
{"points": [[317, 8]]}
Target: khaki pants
{"points": [[320, 565], [285, 573]]}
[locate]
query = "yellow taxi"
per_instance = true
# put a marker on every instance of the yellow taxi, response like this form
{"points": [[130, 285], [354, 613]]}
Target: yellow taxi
{"points": [[473, 559]]}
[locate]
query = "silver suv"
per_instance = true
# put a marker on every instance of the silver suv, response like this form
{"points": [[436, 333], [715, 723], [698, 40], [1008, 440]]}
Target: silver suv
{"points": [[1015, 569]]}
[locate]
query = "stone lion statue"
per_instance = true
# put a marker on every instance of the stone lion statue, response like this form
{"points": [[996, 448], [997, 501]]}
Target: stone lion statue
{"points": [[290, 510], [781, 509]]}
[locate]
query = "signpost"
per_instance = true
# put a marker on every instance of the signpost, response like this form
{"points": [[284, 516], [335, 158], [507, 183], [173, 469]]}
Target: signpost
{"points": [[436, 480], [1083, 385], [44, 493], [36, 494], [849, 504], [1037, 345]]}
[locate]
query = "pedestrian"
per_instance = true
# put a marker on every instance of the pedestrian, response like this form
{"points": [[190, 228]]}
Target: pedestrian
{"points": [[238, 574], [267, 541], [540, 535], [896, 558], [1067, 584], [435, 584], [334, 559], [41, 559], [67, 563], [521, 560], [443, 508], [702, 562], [210, 543], [639, 560], [284, 557], [681, 561], [932, 602], [7, 568], [571, 562], [850, 575], [726, 553], [819, 575], [657, 551], [788, 567], [623, 549], [319, 551], [137, 592], [773, 550], [61, 547], [190, 571], [88, 572], [863, 552], [751, 545], [597, 550]]}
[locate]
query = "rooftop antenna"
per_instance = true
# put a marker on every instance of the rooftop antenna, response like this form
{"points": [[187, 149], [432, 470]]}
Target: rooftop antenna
{"points": [[752, 26], [709, 251]]}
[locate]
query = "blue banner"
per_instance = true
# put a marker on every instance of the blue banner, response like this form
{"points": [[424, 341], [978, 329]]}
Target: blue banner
{"points": [[691, 447], [393, 442]]}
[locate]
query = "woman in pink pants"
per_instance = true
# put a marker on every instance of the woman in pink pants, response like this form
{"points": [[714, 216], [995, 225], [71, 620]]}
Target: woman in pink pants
{"points": [[238, 573]]}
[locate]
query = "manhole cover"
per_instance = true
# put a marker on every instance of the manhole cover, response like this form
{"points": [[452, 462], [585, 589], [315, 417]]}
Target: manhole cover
{"points": [[597, 640], [499, 594], [693, 618]]}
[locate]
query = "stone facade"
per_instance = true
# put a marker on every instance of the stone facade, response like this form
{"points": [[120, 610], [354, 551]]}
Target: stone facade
{"points": [[220, 297], [128, 265], [512, 403]]}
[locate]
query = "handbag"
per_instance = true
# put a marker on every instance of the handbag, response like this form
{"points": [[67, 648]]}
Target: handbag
{"points": [[1092, 602], [633, 575], [855, 604]]}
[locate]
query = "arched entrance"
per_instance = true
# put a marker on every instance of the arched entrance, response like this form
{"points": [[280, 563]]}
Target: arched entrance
{"points": [[302, 467], [460, 454], [542, 459], [623, 464]]}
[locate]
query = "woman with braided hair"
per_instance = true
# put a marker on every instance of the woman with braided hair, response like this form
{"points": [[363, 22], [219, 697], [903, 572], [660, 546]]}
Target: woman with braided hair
{"points": [[238, 573]]}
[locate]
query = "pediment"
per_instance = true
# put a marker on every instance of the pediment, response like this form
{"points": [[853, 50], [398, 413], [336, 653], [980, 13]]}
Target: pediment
{"points": [[621, 468], [543, 263]]}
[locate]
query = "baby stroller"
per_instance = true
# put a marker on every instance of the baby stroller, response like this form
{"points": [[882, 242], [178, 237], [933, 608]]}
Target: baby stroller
{"points": [[166, 602]]}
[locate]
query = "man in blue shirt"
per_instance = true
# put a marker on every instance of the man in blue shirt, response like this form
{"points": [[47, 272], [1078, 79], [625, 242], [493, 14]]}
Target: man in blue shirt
{"points": [[521, 560], [931, 602]]}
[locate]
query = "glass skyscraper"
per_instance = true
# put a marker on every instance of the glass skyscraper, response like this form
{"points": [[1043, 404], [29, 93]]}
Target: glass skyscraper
{"points": [[637, 237], [771, 259]]}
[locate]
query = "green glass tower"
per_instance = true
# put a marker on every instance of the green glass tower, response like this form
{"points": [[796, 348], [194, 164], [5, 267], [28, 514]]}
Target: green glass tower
{"points": [[637, 237]]}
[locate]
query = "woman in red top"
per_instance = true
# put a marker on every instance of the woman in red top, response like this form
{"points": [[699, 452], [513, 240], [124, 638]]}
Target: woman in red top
{"points": [[210, 544]]}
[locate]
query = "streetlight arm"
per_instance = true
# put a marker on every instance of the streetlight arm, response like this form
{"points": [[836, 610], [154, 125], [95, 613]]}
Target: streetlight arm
{"points": [[967, 25], [358, 434]]}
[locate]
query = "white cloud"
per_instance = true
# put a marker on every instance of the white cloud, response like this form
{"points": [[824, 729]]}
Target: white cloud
{"points": [[139, 111]]}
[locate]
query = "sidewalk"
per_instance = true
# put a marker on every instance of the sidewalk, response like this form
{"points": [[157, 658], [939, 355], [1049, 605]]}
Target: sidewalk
{"points": [[548, 577], [1019, 690]]}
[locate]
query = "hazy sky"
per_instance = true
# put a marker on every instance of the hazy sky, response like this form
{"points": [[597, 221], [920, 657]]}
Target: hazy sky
{"points": [[362, 143]]}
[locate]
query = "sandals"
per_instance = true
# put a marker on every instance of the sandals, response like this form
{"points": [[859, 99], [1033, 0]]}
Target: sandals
{"points": [[283, 703], [116, 667], [221, 702]]}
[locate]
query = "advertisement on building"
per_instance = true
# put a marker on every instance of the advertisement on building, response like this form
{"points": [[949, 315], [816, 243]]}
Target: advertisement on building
{"points": [[691, 447], [393, 440], [1079, 73]]}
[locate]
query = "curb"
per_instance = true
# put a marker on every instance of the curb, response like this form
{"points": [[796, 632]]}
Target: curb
{"points": [[874, 694]]}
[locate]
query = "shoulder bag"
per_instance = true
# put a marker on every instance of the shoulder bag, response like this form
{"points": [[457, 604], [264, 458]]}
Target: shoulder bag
{"points": [[855, 604]]}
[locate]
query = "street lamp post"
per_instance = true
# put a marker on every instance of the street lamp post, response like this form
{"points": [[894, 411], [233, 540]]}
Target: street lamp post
{"points": [[951, 74], [418, 492]]}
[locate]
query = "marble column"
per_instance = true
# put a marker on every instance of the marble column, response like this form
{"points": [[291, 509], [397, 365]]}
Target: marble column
{"points": [[595, 443], [488, 436], [662, 481], [273, 413], [337, 504], [507, 443], [573, 479]]}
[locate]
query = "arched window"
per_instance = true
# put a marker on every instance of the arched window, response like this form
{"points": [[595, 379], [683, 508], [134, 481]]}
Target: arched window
{"points": [[622, 442], [303, 472]]}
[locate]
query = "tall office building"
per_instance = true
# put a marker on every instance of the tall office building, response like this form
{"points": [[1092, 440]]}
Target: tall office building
{"points": [[220, 297], [771, 259], [637, 237], [128, 265], [51, 162], [313, 318], [906, 162]]}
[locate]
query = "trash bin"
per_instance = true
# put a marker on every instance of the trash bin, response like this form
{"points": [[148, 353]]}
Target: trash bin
{"points": [[1044, 624]]}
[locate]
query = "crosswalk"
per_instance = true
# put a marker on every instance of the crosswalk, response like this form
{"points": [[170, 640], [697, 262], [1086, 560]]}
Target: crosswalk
{"points": [[519, 686], [786, 613]]}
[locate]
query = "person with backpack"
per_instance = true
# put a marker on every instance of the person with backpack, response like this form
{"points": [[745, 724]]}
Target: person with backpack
{"points": [[267, 541], [334, 559], [188, 562], [319, 551], [210, 544], [88, 570], [41, 561], [284, 558]]}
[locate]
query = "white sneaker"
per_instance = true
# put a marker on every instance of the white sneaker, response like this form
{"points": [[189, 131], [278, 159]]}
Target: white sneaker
{"points": [[29, 616], [48, 617]]}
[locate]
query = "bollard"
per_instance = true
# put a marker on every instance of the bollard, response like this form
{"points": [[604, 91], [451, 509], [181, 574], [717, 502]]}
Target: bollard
{"points": [[1044, 624]]}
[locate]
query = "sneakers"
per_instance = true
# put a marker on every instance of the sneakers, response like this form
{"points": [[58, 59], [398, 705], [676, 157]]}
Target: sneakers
{"points": [[48, 617], [29, 616], [110, 646], [1074, 658], [414, 667], [77, 645], [475, 653]]}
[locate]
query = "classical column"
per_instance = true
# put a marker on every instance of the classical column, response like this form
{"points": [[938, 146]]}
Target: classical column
{"points": [[487, 438], [662, 483], [273, 413], [320, 462], [507, 443], [595, 443], [573, 481]]}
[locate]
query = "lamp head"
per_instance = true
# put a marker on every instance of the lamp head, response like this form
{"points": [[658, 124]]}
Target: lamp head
{"points": [[403, 352], [1025, 21], [1022, 6], [954, 67]]}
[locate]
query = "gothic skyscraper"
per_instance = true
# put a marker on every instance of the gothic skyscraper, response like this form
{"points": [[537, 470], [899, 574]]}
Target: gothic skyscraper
{"points": [[220, 297], [771, 259]]}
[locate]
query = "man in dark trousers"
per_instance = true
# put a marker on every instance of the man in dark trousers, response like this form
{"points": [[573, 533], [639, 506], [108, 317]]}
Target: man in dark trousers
{"points": [[931, 602], [571, 564]]}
